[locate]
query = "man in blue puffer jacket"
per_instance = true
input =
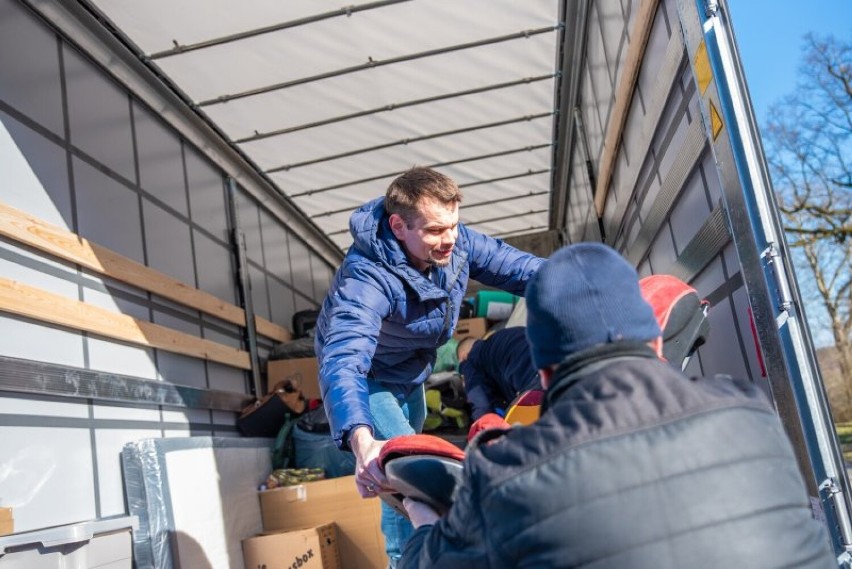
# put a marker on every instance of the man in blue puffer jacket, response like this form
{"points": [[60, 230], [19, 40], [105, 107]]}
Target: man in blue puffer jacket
{"points": [[631, 464], [394, 300]]}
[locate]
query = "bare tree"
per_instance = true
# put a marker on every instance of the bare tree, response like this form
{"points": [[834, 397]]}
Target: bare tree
{"points": [[809, 149]]}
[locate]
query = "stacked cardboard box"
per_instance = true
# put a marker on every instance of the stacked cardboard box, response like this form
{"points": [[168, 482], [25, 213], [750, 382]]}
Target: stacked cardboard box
{"points": [[7, 522], [359, 536], [475, 327], [309, 548], [301, 371]]}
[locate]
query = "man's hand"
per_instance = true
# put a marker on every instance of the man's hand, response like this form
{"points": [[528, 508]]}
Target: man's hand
{"points": [[369, 478], [419, 513]]}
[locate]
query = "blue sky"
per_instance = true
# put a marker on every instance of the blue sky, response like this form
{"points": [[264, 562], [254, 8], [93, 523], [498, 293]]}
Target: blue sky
{"points": [[770, 38]]}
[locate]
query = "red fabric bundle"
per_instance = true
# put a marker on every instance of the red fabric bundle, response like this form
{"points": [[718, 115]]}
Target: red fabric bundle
{"points": [[486, 422], [408, 445]]}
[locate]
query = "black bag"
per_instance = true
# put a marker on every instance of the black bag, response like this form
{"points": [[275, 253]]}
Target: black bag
{"points": [[304, 322], [266, 416], [301, 348], [314, 421]]}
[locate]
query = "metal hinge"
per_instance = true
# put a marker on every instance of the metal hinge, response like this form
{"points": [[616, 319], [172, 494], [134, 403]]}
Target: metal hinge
{"points": [[834, 492], [772, 256], [830, 486]]}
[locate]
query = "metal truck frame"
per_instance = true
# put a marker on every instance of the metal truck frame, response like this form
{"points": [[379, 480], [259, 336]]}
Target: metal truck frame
{"points": [[129, 313]]}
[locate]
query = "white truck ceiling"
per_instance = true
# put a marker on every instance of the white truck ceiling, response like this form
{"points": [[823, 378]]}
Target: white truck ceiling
{"points": [[331, 103]]}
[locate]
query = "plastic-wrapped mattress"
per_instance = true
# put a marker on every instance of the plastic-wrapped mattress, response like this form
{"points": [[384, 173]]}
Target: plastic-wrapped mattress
{"points": [[195, 497]]}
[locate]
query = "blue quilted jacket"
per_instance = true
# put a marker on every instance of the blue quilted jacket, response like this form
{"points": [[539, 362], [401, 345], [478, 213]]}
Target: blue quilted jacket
{"points": [[384, 319]]}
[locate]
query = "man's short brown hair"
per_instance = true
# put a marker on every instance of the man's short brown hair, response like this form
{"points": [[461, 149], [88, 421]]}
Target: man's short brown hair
{"points": [[406, 191]]}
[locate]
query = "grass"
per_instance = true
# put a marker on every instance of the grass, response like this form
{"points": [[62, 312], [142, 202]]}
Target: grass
{"points": [[844, 433]]}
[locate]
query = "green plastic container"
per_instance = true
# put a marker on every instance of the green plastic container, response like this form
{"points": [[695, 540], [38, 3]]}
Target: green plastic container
{"points": [[494, 304]]}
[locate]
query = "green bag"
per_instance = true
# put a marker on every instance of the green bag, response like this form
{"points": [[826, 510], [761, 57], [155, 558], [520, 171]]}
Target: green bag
{"points": [[447, 360], [284, 448]]}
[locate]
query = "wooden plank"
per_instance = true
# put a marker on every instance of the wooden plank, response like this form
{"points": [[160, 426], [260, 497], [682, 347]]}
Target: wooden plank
{"points": [[623, 97], [31, 231], [272, 330], [24, 300]]}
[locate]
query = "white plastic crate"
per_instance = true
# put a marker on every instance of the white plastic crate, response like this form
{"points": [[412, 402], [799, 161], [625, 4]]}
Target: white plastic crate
{"points": [[96, 544]]}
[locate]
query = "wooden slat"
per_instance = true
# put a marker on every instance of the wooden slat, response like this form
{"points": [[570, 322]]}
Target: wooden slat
{"points": [[31, 231], [31, 302], [272, 330], [623, 97]]}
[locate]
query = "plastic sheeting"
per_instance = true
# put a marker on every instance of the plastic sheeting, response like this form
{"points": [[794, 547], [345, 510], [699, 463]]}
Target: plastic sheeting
{"points": [[196, 499]]}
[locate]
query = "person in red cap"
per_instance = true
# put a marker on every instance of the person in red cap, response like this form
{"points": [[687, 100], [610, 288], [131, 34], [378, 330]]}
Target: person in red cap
{"points": [[632, 464]]}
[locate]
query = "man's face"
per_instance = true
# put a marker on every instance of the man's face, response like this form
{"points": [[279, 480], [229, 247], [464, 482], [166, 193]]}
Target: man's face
{"points": [[430, 239]]}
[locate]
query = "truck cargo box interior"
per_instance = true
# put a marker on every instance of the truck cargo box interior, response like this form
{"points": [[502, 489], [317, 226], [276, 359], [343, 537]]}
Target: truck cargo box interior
{"points": [[177, 184]]}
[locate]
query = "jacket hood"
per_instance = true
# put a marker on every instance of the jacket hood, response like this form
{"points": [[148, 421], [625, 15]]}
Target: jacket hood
{"points": [[372, 234], [374, 240]]}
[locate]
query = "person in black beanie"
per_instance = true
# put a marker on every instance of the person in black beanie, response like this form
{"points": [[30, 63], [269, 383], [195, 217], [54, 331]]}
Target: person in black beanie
{"points": [[632, 464]]}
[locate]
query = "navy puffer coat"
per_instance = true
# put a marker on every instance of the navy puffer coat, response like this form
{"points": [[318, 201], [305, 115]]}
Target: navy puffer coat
{"points": [[384, 319], [631, 465]]}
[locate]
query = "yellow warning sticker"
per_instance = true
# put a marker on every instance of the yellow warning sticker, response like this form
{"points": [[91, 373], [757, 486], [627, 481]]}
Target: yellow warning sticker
{"points": [[715, 121], [703, 72]]}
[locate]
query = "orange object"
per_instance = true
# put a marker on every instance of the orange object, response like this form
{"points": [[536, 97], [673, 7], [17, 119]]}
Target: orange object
{"points": [[526, 408]]}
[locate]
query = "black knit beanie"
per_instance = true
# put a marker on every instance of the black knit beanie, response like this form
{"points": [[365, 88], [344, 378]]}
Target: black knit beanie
{"points": [[584, 295]]}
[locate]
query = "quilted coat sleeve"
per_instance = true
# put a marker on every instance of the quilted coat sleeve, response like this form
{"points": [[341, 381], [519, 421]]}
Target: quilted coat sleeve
{"points": [[494, 263], [350, 323], [456, 540]]}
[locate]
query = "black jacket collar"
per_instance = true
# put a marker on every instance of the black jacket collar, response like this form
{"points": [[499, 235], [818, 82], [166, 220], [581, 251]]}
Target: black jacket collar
{"points": [[578, 365]]}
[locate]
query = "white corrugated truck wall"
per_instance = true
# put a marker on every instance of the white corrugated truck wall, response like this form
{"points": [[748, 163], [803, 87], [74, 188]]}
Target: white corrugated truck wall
{"points": [[664, 197], [81, 153]]}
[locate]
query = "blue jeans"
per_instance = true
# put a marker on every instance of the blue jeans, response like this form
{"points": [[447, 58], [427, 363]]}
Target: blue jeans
{"points": [[393, 417]]}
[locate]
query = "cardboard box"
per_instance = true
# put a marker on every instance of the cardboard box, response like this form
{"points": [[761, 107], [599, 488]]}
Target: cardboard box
{"points": [[310, 548], [475, 327], [7, 522], [358, 520], [302, 371]]}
